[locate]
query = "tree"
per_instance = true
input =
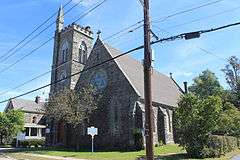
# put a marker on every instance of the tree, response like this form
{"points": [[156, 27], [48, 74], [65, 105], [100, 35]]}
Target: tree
{"points": [[72, 107], [229, 122], [11, 123], [195, 120], [206, 84], [232, 74]]}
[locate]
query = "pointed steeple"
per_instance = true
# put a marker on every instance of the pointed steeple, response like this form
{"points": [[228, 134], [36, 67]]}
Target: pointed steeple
{"points": [[60, 19]]}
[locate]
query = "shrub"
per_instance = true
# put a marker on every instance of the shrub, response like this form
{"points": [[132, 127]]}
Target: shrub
{"points": [[32, 142], [219, 145], [13, 143], [138, 140]]}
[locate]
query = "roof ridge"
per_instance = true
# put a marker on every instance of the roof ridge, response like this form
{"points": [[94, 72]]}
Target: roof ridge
{"points": [[164, 90], [155, 70]]}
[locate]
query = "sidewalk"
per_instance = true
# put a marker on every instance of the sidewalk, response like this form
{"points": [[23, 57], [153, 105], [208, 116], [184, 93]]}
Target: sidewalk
{"points": [[52, 157]]}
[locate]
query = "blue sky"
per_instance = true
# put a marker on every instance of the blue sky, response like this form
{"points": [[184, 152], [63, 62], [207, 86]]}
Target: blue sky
{"points": [[183, 58]]}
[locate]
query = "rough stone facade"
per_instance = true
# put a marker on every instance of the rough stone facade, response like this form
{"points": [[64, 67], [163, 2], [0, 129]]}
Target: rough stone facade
{"points": [[120, 112], [67, 41], [115, 109], [72, 35]]}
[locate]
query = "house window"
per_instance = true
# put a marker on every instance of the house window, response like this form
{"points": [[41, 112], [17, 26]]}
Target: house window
{"points": [[34, 120], [27, 131], [33, 131], [64, 52], [83, 53], [43, 132]]}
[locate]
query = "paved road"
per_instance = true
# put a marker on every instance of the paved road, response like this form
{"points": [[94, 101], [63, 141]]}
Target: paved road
{"points": [[3, 157]]}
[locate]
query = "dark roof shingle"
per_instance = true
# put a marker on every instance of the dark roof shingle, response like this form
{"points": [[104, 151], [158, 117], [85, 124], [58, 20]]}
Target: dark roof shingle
{"points": [[27, 105], [164, 89]]}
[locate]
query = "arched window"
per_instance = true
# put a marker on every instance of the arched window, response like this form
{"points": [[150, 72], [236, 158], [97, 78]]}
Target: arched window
{"points": [[83, 53], [64, 52]]}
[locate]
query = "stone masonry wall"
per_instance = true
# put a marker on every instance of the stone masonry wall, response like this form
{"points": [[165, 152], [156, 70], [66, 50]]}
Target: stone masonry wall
{"points": [[114, 116]]}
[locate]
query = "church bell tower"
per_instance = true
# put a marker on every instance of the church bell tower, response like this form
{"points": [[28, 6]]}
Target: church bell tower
{"points": [[72, 46]]}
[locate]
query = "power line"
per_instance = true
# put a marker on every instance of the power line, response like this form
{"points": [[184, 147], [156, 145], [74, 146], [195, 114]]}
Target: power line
{"points": [[37, 35], [45, 73], [34, 50], [171, 15], [212, 54], [28, 81], [30, 53], [202, 49], [141, 2], [180, 36], [206, 17], [124, 29], [185, 11], [126, 32], [89, 68], [196, 34], [36, 28]]}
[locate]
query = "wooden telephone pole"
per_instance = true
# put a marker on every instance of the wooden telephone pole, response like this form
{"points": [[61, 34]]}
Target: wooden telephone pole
{"points": [[147, 83]]}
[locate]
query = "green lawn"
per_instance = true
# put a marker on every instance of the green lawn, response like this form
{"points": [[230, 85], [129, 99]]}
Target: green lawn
{"points": [[115, 155], [167, 152]]}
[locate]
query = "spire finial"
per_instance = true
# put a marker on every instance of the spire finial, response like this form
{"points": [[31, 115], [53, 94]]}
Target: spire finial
{"points": [[98, 33], [171, 75], [60, 19]]}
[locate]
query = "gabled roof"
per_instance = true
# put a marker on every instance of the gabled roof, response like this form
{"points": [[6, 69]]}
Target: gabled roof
{"points": [[164, 89], [27, 105]]}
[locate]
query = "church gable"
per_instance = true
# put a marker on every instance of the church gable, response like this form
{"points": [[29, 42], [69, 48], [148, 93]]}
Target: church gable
{"points": [[106, 75], [115, 108], [164, 89]]}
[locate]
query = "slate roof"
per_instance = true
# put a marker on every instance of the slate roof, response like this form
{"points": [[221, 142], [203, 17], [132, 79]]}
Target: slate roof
{"points": [[27, 105], [164, 89]]}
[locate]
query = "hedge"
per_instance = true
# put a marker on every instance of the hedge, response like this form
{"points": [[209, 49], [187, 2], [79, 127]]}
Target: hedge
{"points": [[32, 143], [219, 145]]}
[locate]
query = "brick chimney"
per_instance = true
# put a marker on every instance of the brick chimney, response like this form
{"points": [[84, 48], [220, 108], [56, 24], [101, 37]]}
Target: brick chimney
{"points": [[185, 87], [37, 99]]}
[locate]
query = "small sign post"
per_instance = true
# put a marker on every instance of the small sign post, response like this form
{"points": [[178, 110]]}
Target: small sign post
{"points": [[92, 131], [47, 130]]}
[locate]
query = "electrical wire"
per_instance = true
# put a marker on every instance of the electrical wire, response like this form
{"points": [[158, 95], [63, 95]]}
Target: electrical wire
{"points": [[180, 36], [185, 11], [87, 69], [37, 35], [212, 54], [34, 50], [45, 73], [204, 18], [34, 30]]}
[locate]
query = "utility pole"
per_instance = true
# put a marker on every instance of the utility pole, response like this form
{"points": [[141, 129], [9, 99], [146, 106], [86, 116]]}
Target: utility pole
{"points": [[147, 83]]}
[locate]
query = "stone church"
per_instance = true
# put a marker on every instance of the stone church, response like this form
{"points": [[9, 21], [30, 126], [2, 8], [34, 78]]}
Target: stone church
{"points": [[120, 113]]}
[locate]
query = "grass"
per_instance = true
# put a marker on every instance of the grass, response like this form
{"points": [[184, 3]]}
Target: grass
{"points": [[168, 152], [115, 155], [112, 155]]}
